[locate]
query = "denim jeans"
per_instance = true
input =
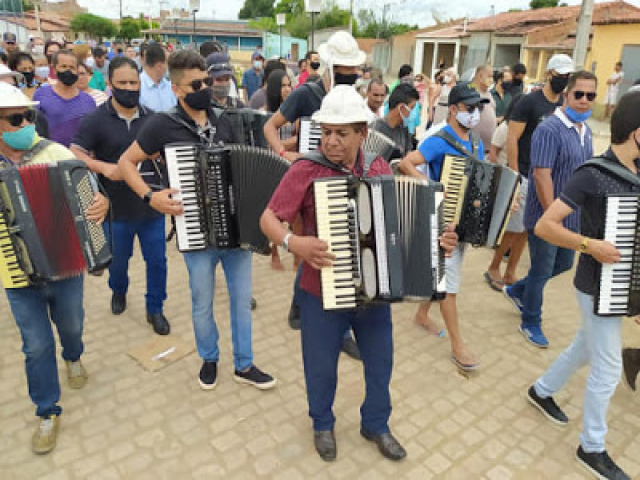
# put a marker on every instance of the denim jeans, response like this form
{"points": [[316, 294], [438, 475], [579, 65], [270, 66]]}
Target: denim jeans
{"points": [[547, 261], [236, 264], [34, 308], [322, 334], [151, 236], [598, 343]]}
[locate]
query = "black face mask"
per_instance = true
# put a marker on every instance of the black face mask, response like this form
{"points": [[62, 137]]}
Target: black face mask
{"points": [[314, 65], [28, 77], [558, 84], [345, 79], [516, 82], [67, 77], [126, 98], [200, 100]]}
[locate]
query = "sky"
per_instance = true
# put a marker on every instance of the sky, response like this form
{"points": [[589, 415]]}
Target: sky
{"points": [[402, 11]]}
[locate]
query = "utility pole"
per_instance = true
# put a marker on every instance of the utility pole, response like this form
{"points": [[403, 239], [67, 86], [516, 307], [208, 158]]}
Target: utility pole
{"points": [[351, 17], [582, 34]]}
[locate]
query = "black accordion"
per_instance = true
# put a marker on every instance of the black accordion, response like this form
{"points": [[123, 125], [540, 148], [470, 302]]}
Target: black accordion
{"points": [[478, 198], [380, 144], [248, 126], [309, 135], [384, 233], [44, 234], [224, 191], [619, 283]]}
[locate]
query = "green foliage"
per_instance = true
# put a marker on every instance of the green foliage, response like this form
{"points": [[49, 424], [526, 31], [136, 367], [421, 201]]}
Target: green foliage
{"points": [[299, 26], [265, 24], [370, 27], [332, 16], [129, 29], [534, 4], [291, 7], [93, 25], [256, 9]]}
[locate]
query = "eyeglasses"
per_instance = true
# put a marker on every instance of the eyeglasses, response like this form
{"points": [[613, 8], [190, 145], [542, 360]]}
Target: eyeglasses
{"points": [[197, 84], [16, 119], [578, 94]]}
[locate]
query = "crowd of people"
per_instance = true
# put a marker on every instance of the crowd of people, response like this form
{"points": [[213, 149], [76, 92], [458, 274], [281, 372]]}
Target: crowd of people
{"points": [[117, 109]]}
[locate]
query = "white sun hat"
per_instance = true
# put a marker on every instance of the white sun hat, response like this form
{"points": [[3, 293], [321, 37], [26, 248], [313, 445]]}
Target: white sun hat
{"points": [[12, 97], [342, 106], [6, 72], [561, 63], [342, 49]]}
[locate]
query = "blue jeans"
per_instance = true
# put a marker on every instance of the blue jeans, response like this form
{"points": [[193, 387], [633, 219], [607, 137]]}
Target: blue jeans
{"points": [[236, 264], [322, 334], [547, 261], [152, 243], [598, 343], [34, 308]]}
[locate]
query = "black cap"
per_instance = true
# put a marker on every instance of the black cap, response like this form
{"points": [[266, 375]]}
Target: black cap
{"points": [[465, 93], [218, 64], [9, 37]]}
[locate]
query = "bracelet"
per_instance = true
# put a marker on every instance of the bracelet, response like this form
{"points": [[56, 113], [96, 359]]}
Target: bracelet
{"points": [[282, 152], [584, 245], [146, 198]]}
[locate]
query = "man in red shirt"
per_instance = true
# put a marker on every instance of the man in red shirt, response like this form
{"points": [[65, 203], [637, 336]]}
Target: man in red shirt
{"points": [[312, 64]]}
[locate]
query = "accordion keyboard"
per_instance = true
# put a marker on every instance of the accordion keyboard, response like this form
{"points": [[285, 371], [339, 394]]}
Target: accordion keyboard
{"points": [[11, 274], [454, 179], [309, 135]]}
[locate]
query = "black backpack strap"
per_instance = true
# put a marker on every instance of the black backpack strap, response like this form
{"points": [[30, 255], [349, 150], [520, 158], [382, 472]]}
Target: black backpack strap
{"points": [[447, 137], [613, 168], [316, 89]]}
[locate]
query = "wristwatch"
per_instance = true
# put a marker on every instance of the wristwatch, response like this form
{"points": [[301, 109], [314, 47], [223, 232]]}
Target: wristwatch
{"points": [[147, 197], [285, 241], [584, 245]]}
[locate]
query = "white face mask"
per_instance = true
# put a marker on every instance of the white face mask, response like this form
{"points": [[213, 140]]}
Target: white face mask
{"points": [[90, 62], [42, 72], [446, 79], [468, 120]]}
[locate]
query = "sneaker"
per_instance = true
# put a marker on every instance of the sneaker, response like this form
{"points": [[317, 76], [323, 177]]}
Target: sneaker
{"points": [[548, 407], [77, 376], [208, 378], [44, 438], [533, 333], [517, 303], [256, 377], [600, 465]]}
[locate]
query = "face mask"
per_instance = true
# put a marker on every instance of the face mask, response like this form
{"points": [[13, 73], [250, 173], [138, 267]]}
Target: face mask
{"points": [[200, 100], [28, 77], [558, 84], [90, 62], [446, 79], [126, 98], [20, 139], [314, 65], [38, 49], [506, 85], [516, 82], [257, 64], [468, 120], [42, 72], [67, 77], [577, 117], [345, 79], [221, 91], [406, 121]]}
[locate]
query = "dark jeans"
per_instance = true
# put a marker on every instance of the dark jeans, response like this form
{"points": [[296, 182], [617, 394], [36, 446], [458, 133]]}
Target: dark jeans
{"points": [[322, 334], [547, 261]]}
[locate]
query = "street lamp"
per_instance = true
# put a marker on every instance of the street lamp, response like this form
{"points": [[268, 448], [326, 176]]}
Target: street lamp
{"points": [[281, 19], [313, 7], [193, 36]]}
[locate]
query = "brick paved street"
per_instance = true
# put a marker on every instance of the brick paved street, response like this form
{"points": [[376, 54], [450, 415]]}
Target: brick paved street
{"points": [[129, 423]]}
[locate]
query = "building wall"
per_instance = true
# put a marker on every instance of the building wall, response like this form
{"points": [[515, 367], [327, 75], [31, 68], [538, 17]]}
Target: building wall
{"points": [[402, 52]]}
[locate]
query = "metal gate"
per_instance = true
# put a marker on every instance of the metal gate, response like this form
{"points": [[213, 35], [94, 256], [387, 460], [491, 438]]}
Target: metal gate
{"points": [[630, 66]]}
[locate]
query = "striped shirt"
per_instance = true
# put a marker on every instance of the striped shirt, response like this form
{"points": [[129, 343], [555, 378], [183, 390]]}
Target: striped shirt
{"points": [[559, 145]]}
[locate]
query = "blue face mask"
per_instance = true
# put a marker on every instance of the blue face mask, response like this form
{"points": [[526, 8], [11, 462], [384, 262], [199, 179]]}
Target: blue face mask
{"points": [[20, 139], [406, 121], [577, 117]]}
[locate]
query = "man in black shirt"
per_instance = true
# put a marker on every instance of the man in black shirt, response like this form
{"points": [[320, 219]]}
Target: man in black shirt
{"points": [[394, 126], [599, 340], [102, 137], [194, 121], [219, 68]]}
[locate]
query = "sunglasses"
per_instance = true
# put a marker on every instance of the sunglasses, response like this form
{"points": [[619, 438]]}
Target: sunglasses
{"points": [[16, 119], [197, 84], [472, 108], [578, 94]]}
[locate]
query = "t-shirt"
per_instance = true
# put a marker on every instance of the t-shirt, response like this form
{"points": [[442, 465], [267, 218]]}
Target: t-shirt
{"points": [[302, 102], [400, 136], [434, 148], [258, 99], [501, 102], [586, 191], [294, 196], [499, 140], [531, 110], [63, 115], [487, 124], [251, 81]]}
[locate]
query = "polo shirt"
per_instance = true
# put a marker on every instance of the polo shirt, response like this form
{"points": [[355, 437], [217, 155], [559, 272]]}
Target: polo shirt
{"points": [[156, 96], [562, 148], [107, 135], [251, 81], [400, 136]]}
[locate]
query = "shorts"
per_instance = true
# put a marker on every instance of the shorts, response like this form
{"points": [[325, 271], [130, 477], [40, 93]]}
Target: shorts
{"points": [[516, 221], [453, 269], [611, 98]]}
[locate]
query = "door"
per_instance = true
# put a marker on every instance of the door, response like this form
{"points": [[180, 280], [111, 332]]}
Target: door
{"points": [[630, 66]]}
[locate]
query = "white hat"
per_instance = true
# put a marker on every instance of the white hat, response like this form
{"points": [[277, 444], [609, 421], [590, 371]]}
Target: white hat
{"points": [[342, 49], [12, 97], [561, 63], [6, 72], [342, 106]]}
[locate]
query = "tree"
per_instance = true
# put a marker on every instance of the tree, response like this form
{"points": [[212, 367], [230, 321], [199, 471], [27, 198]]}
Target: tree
{"points": [[129, 29], [534, 4], [291, 7], [256, 9], [370, 27], [93, 25], [265, 24]]}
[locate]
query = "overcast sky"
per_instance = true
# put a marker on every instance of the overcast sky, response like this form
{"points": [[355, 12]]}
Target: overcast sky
{"points": [[407, 11]]}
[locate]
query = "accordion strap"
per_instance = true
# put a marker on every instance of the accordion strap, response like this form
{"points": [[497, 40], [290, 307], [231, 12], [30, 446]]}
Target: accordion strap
{"points": [[608, 165], [316, 156], [455, 143], [201, 132]]}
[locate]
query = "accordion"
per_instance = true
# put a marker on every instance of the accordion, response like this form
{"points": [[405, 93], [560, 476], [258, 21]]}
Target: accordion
{"points": [[224, 191], [248, 126], [379, 144], [478, 198], [619, 283], [309, 135], [44, 234], [384, 233]]}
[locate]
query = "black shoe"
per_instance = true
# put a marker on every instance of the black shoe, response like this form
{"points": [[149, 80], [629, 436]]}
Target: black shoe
{"points": [[600, 465], [256, 377], [118, 303], [208, 378], [631, 364], [254, 303], [294, 317], [387, 444], [350, 347], [325, 443], [548, 407], [159, 322]]}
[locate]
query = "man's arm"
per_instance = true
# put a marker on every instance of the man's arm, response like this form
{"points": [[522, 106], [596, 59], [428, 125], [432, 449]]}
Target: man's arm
{"points": [[408, 164], [271, 134], [109, 170], [516, 129], [544, 186]]}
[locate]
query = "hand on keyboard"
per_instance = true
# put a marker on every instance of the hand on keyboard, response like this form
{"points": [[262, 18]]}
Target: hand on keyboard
{"points": [[449, 239], [312, 250], [98, 208], [162, 202], [603, 251]]}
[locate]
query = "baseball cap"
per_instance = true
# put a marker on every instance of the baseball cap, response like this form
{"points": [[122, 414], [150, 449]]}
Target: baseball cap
{"points": [[341, 106], [257, 54], [465, 93], [342, 49], [12, 97], [218, 64], [561, 63], [9, 37]]}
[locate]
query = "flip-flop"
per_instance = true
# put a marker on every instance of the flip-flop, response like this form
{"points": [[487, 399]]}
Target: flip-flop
{"points": [[494, 284], [465, 367]]}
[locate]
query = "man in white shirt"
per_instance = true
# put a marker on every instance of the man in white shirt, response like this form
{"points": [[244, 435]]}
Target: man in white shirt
{"points": [[155, 89], [613, 89]]}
